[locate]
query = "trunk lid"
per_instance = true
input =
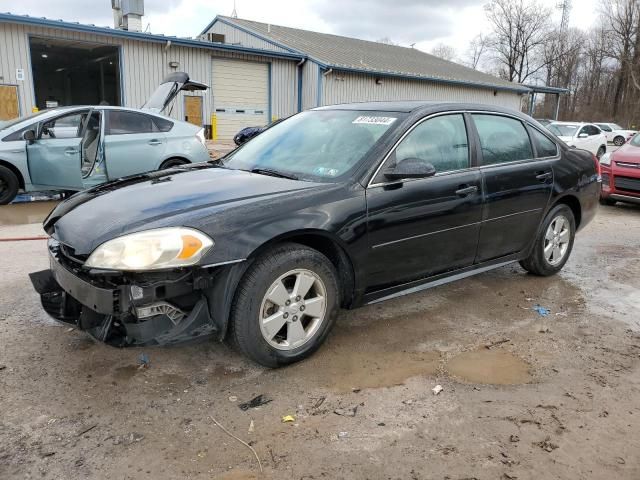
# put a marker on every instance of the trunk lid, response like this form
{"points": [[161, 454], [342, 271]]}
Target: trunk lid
{"points": [[172, 84]]}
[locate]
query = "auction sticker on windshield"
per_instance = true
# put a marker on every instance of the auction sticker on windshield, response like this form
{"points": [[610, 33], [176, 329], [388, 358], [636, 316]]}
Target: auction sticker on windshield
{"points": [[367, 120]]}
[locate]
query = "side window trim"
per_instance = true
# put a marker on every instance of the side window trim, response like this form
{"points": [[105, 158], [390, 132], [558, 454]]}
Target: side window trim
{"points": [[391, 153], [506, 115]]}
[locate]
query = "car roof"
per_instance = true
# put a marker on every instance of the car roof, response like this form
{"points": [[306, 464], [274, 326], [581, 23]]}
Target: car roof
{"points": [[411, 106]]}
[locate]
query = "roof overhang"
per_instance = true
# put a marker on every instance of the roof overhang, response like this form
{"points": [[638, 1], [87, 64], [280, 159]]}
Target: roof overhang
{"points": [[145, 37], [544, 89]]}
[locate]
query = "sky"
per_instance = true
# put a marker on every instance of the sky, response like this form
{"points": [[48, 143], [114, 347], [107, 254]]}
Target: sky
{"points": [[427, 23]]}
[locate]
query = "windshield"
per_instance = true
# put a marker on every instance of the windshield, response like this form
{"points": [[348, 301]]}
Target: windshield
{"points": [[635, 141], [562, 130], [320, 145], [615, 126], [15, 121]]}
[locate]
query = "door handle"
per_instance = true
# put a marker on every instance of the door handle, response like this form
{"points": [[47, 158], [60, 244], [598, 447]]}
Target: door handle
{"points": [[71, 151], [154, 142], [544, 176], [465, 190]]}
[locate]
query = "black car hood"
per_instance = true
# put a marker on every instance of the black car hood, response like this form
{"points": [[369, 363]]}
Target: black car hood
{"points": [[178, 197]]}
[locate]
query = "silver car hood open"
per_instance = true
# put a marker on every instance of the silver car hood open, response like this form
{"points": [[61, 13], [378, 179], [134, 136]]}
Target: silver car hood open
{"points": [[172, 84]]}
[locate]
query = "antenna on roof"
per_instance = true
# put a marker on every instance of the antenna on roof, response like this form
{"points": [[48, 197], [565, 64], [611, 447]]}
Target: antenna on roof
{"points": [[234, 14], [412, 45]]}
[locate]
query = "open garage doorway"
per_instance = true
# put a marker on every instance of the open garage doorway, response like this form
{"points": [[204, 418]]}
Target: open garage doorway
{"points": [[73, 72]]}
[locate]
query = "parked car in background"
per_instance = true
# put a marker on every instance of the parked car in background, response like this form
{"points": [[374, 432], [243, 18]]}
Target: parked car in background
{"points": [[581, 135], [72, 148], [621, 174], [248, 133], [544, 121], [615, 133], [335, 207]]}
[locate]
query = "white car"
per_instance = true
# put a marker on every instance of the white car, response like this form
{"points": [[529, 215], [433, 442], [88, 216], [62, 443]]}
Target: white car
{"points": [[581, 135], [615, 133]]}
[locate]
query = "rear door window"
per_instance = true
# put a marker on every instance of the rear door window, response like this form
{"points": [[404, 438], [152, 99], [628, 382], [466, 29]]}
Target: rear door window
{"points": [[122, 123], [544, 146], [503, 139]]}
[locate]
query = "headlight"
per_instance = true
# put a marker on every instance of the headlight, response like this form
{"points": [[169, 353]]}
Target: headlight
{"points": [[151, 250], [605, 159], [200, 136]]}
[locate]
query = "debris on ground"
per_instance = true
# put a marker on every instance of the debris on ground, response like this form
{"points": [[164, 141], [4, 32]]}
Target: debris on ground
{"points": [[239, 440], [437, 389], [542, 311], [251, 427], [128, 438], [233, 398], [546, 445], [495, 344], [514, 438], [544, 329], [255, 402], [86, 429], [343, 434], [288, 419], [2, 367], [143, 361], [347, 412], [319, 402]]}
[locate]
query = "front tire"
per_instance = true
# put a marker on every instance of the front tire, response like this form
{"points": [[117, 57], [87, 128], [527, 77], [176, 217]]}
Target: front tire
{"points": [[553, 244], [601, 151], [9, 185], [618, 141], [285, 305]]}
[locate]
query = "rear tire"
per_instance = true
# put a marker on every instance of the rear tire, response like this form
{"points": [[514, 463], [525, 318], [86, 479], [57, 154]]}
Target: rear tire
{"points": [[172, 162], [553, 244], [618, 141], [271, 323], [9, 185], [601, 151]]}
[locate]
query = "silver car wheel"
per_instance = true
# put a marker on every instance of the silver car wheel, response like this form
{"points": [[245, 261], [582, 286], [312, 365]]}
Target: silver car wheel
{"points": [[556, 240], [293, 309]]}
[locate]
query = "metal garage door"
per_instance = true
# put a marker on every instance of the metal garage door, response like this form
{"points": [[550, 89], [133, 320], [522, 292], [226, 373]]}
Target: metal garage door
{"points": [[240, 95]]}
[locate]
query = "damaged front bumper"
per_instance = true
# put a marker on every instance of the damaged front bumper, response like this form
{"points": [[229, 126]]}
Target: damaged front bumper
{"points": [[128, 309]]}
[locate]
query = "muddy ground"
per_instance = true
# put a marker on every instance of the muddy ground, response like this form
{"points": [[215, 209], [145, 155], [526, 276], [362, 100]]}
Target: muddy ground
{"points": [[524, 396]]}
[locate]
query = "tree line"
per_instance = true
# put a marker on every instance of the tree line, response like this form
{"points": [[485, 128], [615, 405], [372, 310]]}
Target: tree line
{"points": [[600, 66]]}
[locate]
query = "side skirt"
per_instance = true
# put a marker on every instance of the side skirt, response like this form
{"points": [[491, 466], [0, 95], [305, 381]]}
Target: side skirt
{"points": [[437, 280]]}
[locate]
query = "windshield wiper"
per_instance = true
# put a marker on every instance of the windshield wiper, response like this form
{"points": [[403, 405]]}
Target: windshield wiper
{"points": [[273, 173]]}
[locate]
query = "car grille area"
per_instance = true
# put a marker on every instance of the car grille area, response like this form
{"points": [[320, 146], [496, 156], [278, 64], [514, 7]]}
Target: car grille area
{"points": [[627, 183]]}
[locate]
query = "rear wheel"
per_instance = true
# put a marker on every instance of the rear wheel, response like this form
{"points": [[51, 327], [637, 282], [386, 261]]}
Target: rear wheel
{"points": [[173, 162], [618, 141], [553, 244], [285, 305], [9, 185], [601, 151]]}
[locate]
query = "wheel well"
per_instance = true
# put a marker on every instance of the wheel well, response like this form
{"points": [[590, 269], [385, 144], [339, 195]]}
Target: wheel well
{"points": [[333, 251], [15, 170], [574, 204], [182, 159]]}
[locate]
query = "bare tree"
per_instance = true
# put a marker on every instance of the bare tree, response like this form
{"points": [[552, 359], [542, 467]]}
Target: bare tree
{"points": [[520, 29], [444, 51], [476, 51]]}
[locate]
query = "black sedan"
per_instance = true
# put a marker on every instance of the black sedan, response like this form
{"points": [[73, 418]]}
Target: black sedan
{"points": [[332, 208]]}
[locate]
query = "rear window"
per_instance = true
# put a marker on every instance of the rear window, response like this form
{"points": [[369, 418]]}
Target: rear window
{"points": [[162, 124], [123, 123], [503, 139]]}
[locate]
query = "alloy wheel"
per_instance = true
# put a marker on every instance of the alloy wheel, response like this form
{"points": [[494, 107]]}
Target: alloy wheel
{"points": [[556, 240], [293, 308]]}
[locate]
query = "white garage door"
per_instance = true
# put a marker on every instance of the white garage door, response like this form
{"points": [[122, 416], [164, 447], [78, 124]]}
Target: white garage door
{"points": [[240, 95]]}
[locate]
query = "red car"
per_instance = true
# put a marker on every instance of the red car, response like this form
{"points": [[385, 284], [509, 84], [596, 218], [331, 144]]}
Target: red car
{"points": [[621, 174]]}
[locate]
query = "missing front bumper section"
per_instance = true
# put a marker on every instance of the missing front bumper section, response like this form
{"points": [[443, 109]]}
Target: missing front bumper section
{"points": [[161, 322]]}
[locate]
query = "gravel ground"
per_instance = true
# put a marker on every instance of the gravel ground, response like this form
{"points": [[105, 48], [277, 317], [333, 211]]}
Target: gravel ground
{"points": [[524, 396]]}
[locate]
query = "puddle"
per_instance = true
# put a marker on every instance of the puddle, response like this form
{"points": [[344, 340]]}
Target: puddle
{"points": [[345, 371], [493, 367], [24, 213], [125, 373]]}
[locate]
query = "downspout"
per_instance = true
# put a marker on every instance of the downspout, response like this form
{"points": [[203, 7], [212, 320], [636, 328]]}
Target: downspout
{"points": [[299, 71]]}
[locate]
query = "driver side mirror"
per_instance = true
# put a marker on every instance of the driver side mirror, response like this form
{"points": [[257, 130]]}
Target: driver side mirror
{"points": [[29, 136], [583, 135], [410, 168]]}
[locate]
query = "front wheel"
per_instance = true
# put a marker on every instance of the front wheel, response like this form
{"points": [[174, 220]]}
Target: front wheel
{"points": [[9, 185], [553, 244], [172, 162], [618, 141], [285, 305]]}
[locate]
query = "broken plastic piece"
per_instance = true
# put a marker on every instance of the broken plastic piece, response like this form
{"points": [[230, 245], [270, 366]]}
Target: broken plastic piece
{"points": [[288, 419], [437, 389]]}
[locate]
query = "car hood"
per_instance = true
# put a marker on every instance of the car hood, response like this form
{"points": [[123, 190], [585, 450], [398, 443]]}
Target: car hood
{"points": [[175, 197], [627, 154]]}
